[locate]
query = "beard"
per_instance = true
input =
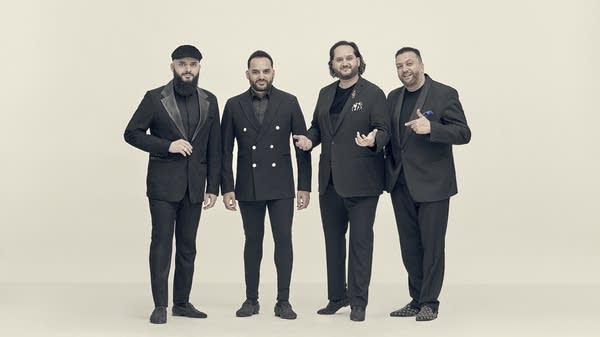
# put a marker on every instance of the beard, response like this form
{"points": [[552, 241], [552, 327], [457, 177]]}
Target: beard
{"points": [[413, 80], [184, 88], [353, 72], [256, 88]]}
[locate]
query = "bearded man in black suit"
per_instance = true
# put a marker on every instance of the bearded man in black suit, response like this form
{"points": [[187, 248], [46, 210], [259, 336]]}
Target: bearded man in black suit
{"points": [[351, 122], [427, 119], [184, 146], [262, 120]]}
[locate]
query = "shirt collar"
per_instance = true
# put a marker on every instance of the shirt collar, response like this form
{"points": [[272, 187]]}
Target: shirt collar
{"points": [[253, 93]]}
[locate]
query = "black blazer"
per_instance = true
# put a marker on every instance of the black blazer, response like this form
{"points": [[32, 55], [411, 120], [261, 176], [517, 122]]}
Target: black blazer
{"points": [[356, 171], [264, 166], [170, 174], [427, 160]]}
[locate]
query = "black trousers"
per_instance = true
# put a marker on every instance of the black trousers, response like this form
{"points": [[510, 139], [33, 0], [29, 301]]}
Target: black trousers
{"points": [[168, 218], [336, 213], [281, 213], [422, 231]]}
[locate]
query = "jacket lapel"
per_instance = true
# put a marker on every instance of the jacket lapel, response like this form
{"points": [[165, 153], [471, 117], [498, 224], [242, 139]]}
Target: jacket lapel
{"points": [[170, 104], [328, 96], [418, 105], [401, 129], [203, 106], [270, 114], [349, 103], [398, 111], [246, 104]]}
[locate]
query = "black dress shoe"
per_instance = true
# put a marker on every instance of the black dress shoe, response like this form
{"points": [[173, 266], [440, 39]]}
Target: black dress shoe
{"points": [[333, 306], [426, 314], [357, 314], [188, 311], [159, 315], [284, 310], [407, 311], [248, 309]]}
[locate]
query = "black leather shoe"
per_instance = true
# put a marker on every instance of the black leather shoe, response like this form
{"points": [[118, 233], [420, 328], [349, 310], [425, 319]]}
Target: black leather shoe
{"points": [[188, 311], [357, 314], [284, 310], [407, 311], [248, 309], [426, 314], [333, 306], [159, 315]]}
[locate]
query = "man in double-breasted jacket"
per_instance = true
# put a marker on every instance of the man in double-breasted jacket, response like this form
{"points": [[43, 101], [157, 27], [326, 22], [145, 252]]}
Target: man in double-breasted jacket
{"points": [[262, 121]]}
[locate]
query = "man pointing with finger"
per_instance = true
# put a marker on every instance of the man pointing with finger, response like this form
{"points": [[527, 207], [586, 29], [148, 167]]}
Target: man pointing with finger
{"points": [[427, 119], [184, 146]]}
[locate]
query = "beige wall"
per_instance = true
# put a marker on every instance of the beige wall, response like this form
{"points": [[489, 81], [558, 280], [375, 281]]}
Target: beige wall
{"points": [[72, 196]]}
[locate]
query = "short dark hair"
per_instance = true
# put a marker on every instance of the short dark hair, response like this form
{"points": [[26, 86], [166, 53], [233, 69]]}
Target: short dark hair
{"points": [[257, 54], [409, 49], [361, 67]]}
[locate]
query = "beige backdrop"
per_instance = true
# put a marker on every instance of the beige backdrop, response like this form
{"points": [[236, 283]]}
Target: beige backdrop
{"points": [[73, 205]]}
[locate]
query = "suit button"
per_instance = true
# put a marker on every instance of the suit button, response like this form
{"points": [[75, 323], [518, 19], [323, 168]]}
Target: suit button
{"points": [[244, 129], [253, 165], [332, 142], [277, 127], [273, 164], [271, 146], [253, 147]]}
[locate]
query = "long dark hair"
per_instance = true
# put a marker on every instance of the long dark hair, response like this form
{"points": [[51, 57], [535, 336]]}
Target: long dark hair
{"points": [[361, 67]]}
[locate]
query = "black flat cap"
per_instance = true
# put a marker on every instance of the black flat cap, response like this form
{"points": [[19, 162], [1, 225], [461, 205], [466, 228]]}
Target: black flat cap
{"points": [[186, 51]]}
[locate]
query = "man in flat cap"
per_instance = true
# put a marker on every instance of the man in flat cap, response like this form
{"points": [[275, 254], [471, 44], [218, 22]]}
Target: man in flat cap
{"points": [[184, 146]]}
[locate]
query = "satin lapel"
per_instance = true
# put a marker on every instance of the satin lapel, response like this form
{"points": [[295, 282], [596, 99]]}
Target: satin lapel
{"points": [[269, 118], [170, 104], [203, 106], [418, 105], [354, 96], [246, 104]]}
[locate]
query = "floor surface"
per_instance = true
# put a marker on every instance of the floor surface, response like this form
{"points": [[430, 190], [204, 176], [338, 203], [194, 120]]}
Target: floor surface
{"points": [[123, 309]]}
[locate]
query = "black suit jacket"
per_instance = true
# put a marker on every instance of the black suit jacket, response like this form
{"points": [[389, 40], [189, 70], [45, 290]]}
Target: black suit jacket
{"points": [[427, 160], [170, 174], [264, 166], [356, 171]]}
